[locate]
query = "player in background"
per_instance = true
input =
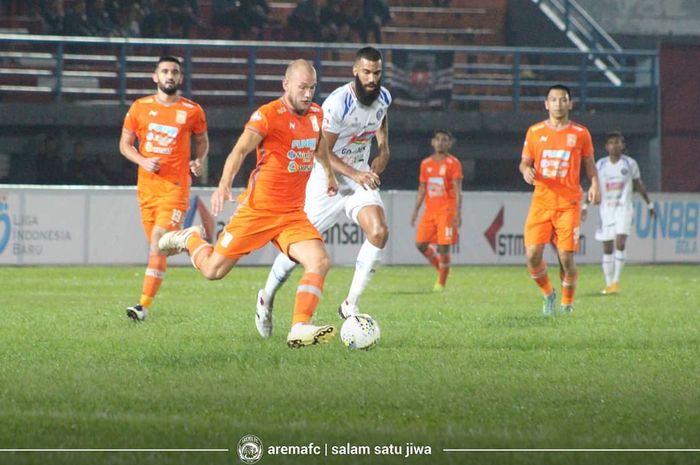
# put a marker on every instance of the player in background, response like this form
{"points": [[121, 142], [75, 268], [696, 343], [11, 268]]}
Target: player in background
{"points": [[551, 160], [164, 125], [619, 176], [441, 179], [354, 114], [287, 135]]}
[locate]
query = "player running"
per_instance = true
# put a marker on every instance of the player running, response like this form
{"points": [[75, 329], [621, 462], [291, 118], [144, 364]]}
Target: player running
{"points": [[551, 160], [163, 124], [441, 187], [287, 135], [354, 114]]}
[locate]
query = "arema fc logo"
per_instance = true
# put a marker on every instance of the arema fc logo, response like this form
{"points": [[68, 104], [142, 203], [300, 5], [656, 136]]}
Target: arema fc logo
{"points": [[250, 449]]}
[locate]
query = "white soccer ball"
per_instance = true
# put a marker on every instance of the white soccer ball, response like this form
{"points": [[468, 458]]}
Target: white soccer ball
{"points": [[360, 332]]}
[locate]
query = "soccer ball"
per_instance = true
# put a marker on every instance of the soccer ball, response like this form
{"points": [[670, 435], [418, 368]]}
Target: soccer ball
{"points": [[360, 332]]}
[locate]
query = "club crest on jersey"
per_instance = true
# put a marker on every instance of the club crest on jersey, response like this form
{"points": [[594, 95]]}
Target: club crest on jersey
{"points": [[380, 113], [571, 140], [314, 123], [180, 116]]}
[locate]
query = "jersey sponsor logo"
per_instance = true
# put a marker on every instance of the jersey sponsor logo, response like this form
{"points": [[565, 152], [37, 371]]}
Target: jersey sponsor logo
{"points": [[257, 116], [152, 113], [542, 139], [555, 163], [180, 116], [571, 140], [304, 144], [443, 170], [365, 137], [292, 125]]}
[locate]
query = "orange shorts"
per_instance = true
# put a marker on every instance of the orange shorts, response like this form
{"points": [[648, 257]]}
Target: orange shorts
{"points": [[437, 228], [163, 204], [563, 225], [250, 229]]}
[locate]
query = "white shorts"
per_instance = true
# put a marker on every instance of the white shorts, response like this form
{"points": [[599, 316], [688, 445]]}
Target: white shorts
{"points": [[615, 222], [323, 210]]}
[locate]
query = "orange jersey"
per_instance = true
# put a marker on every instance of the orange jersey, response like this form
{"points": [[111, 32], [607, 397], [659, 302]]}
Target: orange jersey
{"points": [[164, 131], [439, 177], [557, 155], [285, 156]]}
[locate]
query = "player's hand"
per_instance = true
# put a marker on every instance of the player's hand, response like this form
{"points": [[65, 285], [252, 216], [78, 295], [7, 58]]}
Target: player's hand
{"points": [[196, 167], [458, 221], [652, 211], [529, 175], [594, 195], [413, 219], [152, 165], [332, 185], [584, 214], [219, 198], [379, 164], [367, 179]]}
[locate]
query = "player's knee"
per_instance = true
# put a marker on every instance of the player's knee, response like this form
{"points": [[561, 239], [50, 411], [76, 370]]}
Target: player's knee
{"points": [[378, 235], [212, 274], [422, 246]]}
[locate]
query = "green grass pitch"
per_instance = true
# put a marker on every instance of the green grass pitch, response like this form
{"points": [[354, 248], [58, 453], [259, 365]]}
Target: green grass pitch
{"points": [[476, 367]]}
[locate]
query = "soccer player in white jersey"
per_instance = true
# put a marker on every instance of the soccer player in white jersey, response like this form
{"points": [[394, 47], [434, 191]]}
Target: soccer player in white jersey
{"points": [[354, 115], [618, 174]]}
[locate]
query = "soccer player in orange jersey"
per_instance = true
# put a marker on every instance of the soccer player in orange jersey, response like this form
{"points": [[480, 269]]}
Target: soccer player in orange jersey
{"points": [[441, 187], [287, 135], [551, 160], [164, 125]]}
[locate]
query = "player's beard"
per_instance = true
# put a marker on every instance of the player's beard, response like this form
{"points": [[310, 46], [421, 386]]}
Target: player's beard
{"points": [[366, 97], [168, 90]]}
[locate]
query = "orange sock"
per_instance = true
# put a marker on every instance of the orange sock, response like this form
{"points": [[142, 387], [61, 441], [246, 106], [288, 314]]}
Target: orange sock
{"points": [[308, 294], [444, 268], [432, 257], [568, 289], [155, 271], [199, 250], [539, 274]]}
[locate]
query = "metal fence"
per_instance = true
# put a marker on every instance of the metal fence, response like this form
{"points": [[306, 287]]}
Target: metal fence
{"points": [[92, 70]]}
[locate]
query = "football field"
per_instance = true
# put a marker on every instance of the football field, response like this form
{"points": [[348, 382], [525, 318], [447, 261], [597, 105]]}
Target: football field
{"points": [[458, 377]]}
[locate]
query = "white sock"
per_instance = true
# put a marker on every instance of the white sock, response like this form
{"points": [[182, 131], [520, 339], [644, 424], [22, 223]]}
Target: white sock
{"points": [[280, 271], [608, 268], [367, 260], [619, 264]]}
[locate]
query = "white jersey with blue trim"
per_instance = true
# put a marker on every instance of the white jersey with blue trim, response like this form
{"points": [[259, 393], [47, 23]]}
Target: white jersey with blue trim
{"points": [[355, 124], [617, 182]]}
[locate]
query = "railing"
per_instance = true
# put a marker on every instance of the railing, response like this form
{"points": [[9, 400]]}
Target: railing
{"points": [[585, 34], [94, 70]]}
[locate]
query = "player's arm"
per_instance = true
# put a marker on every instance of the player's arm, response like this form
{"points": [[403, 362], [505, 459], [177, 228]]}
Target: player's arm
{"points": [[366, 179], [323, 157], [420, 196], [245, 144], [126, 147], [457, 186], [641, 188], [527, 169], [201, 150], [592, 174], [382, 158]]}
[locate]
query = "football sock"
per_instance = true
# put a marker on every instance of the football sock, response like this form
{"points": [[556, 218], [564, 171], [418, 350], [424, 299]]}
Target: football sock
{"points": [[539, 274], [308, 294], [608, 268], [199, 250], [367, 260], [568, 289], [444, 268], [281, 269], [619, 264], [432, 257], [155, 271]]}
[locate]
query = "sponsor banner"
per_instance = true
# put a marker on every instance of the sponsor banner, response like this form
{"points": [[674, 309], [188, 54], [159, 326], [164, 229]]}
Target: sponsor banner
{"points": [[54, 225]]}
